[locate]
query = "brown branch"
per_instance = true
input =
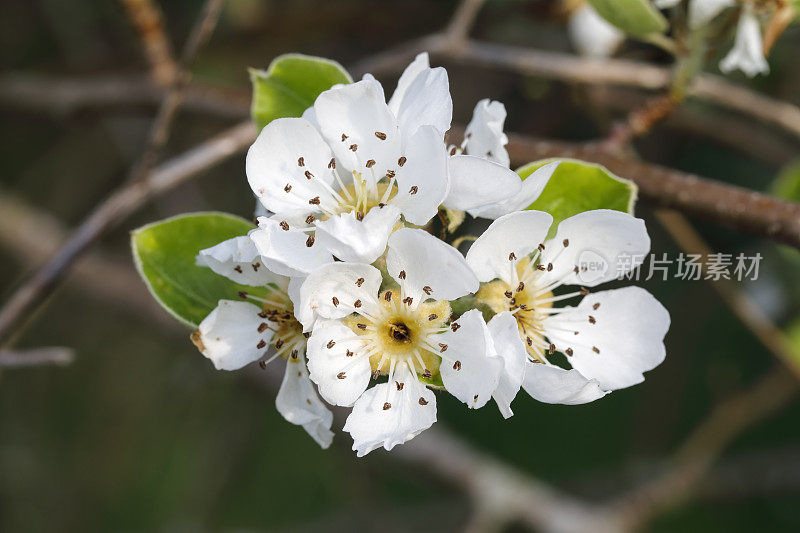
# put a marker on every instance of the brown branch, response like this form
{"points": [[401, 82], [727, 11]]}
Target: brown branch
{"points": [[743, 209], [36, 357], [117, 208], [148, 20], [62, 96], [571, 68]]}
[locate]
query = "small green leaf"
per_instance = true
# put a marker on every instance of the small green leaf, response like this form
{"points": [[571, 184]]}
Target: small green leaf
{"points": [[634, 17], [577, 186], [165, 252], [291, 84], [793, 335], [787, 184]]}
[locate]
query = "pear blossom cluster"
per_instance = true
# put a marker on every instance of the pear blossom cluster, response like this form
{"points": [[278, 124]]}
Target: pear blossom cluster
{"points": [[373, 313], [593, 36]]}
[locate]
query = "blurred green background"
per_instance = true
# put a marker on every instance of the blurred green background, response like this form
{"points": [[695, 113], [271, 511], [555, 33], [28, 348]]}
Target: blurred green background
{"points": [[140, 433]]}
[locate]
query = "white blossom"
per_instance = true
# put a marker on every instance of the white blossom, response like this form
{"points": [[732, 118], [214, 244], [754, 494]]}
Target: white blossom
{"points": [[404, 333], [610, 338], [341, 178], [591, 34], [747, 53], [237, 333]]}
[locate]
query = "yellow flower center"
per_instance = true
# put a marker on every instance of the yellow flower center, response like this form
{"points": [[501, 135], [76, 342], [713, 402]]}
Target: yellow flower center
{"points": [[401, 332]]}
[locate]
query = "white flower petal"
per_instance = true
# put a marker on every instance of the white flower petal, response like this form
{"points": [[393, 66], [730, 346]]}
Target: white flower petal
{"points": [[385, 416], [511, 349], [484, 135], [531, 188], [337, 363], [626, 326], [287, 252], [591, 34], [551, 384], [666, 4], [702, 11], [426, 102], [332, 290], [299, 404], [477, 182], [238, 260], [516, 233], [603, 244], [420, 64], [358, 241], [359, 127], [470, 367], [229, 335], [422, 181], [274, 168], [426, 267], [748, 52]]}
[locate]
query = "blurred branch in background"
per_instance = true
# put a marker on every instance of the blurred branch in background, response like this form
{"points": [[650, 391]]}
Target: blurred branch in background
{"points": [[162, 124], [727, 421], [142, 183], [63, 96], [500, 494], [148, 20], [570, 68], [36, 357], [117, 208]]}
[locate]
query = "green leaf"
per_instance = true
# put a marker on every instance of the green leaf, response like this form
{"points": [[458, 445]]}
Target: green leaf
{"points": [[787, 184], [165, 251], [634, 17], [291, 84], [793, 335], [577, 186]]}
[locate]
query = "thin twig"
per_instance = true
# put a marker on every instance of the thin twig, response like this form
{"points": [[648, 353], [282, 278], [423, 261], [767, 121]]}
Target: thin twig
{"points": [[148, 20], [141, 184], [162, 124], [462, 21], [707, 441], [117, 208], [571, 68], [32, 236], [738, 301], [36, 357], [63, 96]]}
